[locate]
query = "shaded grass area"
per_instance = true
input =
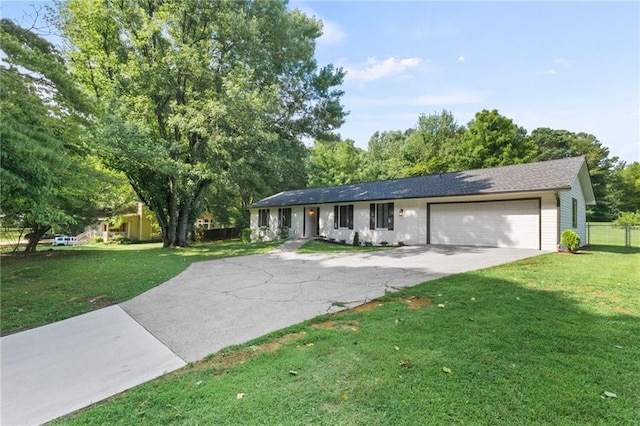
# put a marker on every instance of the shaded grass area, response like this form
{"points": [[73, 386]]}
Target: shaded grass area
{"points": [[52, 285], [320, 246], [537, 341]]}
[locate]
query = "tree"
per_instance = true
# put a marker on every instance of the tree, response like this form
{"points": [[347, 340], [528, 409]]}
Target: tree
{"points": [[629, 187], [493, 140], [382, 159], [45, 180], [194, 91], [427, 148], [554, 144], [336, 162]]}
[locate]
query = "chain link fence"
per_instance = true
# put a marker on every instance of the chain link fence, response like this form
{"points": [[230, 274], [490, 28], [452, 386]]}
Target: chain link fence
{"points": [[604, 233]]}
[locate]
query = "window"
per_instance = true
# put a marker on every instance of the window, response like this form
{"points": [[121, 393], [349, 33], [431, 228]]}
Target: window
{"points": [[343, 216], [381, 216], [574, 213], [284, 218], [263, 218]]}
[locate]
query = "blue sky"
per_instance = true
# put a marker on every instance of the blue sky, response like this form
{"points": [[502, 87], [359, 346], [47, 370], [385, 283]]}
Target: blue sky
{"points": [[563, 65]]}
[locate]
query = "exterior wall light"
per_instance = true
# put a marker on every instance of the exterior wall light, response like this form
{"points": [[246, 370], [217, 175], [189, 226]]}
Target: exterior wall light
{"points": [[401, 213], [311, 212]]}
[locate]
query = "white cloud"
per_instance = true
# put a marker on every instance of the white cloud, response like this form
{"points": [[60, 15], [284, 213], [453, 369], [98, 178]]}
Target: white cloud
{"points": [[332, 33], [375, 69], [460, 58], [550, 71]]}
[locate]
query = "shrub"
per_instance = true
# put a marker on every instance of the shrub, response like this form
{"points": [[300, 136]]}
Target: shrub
{"points": [[284, 233], [356, 239], [384, 243], [245, 236], [97, 240], [368, 243], [571, 240], [343, 242], [120, 239], [628, 218]]}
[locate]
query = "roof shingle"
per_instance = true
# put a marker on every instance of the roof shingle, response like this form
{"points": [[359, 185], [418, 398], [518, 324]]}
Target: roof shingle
{"points": [[545, 175]]}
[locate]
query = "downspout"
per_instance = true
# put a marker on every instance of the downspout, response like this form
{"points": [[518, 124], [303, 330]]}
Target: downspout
{"points": [[557, 219]]}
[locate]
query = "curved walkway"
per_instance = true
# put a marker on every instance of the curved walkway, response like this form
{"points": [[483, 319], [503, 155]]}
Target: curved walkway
{"points": [[59, 368]]}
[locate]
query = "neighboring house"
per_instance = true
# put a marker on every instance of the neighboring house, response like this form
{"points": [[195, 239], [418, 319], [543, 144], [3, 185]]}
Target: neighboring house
{"points": [[519, 206], [138, 226]]}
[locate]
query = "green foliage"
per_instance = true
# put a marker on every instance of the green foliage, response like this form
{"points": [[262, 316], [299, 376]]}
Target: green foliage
{"points": [[97, 240], [628, 218], [570, 239], [48, 180], [356, 239], [202, 99], [334, 162], [284, 232], [555, 144], [245, 237], [493, 140]]}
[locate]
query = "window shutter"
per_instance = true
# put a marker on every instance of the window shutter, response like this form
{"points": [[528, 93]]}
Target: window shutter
{"points": [[335, 217], [279, 218], [372, 216], [350, 213], [390, 217]]}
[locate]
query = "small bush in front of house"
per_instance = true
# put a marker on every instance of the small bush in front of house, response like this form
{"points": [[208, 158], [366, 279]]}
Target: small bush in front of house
{"points": [[343, 242], [245, 236], [384, 243], [284, 233], [368, 243], [356, 239], [401, 244], [120, 239], [97, 240], [571, 240]]}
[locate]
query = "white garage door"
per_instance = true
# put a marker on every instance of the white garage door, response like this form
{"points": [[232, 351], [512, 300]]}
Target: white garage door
{"points": [[492, 224]]}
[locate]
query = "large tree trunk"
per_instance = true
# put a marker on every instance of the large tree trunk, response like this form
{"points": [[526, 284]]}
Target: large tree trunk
{"points": [[37, 232], [174, 214]]}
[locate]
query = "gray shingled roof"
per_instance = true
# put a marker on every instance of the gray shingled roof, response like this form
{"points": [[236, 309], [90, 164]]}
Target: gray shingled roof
{"points": [[546, 175]]}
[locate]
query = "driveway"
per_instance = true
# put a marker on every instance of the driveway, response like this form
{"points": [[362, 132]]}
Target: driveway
{"points": [[59, 368]]}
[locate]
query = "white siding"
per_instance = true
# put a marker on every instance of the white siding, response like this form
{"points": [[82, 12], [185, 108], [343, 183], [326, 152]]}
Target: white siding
{"points": [[411, 228], [548, 222], [566, 211]]}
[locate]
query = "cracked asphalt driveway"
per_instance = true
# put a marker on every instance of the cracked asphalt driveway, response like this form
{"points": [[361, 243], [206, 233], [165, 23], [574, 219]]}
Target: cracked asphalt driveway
{"points": [[215, 304]]}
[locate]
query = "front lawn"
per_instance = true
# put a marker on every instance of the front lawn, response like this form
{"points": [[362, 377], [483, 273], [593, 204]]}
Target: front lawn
{"points": [[547, 340], [52, 285]]}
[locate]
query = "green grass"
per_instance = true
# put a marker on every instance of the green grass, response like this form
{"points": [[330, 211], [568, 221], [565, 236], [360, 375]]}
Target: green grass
{"points": [[56, 284], [319, 246], [606, 233], [537, 341]]}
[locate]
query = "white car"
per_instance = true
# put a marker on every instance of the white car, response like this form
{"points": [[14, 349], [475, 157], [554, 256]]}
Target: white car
{"points": [[65, 241]]}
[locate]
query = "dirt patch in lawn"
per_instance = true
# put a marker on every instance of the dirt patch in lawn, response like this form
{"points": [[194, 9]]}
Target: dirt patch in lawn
{"points": [[417, 302], [333, 325], [225, 360], [369, 306]]}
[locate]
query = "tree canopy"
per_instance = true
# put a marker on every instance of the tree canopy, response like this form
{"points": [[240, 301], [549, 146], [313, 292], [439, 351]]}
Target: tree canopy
{"points": [[46, 181], [199, 97]]}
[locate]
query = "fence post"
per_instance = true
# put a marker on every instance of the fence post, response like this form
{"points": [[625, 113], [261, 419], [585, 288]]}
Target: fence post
{"points": [[627, 235]]}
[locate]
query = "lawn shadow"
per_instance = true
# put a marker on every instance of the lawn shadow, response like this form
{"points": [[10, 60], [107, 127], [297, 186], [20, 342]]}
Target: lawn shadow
{"points": [[613, 249]]}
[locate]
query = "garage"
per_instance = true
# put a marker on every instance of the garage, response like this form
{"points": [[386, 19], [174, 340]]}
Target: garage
{"points": [[513, 223]]}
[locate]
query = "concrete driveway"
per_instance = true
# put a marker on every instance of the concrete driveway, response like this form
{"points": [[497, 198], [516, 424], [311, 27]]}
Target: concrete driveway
{"points": [[59, 368]]}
